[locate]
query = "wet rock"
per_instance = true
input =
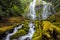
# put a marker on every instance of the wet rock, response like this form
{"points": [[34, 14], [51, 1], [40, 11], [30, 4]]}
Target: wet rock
{"points": [[2, 36], [58, 36], [27, 38]]}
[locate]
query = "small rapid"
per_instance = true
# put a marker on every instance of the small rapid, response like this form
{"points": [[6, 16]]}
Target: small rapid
{"points": [[14, 31], [30, 32]]}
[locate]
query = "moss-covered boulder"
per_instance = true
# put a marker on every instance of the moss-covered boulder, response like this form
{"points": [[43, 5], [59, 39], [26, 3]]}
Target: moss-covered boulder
{"points": [[10, 24], [49, 32], [23, 31], [55, 19]]}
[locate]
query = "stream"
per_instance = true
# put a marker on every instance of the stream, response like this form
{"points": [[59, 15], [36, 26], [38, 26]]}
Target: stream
{"points": [[30, 33]]}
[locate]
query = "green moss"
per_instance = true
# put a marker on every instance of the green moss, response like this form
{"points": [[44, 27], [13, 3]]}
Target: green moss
{"points": [[55, 19], [19, 33], [22, 31], [38, 2], [7, 28], [37, 38], [46, 32], [38, 34], [39, 12]]}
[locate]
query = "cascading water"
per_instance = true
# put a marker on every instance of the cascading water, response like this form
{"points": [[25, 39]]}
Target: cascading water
{"points": [[15, 30], [32, 16], [31, 25], [47, 10], [32, 13], [30, 33]]}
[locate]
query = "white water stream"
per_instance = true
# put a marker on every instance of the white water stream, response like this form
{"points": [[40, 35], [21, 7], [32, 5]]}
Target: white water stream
{"points": [[30, 33], [48, 10], [15, 30], [32, 13]]}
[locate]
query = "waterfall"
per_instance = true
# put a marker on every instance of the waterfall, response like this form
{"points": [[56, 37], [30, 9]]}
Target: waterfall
{"points": [[15, 30], [32, 14], [48, 10], [30, 33]]}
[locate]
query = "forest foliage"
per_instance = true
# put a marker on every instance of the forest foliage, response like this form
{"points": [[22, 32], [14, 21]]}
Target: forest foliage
{"points": [[13, 7], [17, 7]]}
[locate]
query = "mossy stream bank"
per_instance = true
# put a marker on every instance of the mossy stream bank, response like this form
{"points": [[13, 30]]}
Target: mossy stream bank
{"points": [[45, 30]]}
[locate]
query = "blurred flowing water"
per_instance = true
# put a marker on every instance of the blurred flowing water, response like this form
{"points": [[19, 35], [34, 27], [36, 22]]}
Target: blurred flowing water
{"points": [[32, 14], [30, 33], [48, 10], [14, 31]]}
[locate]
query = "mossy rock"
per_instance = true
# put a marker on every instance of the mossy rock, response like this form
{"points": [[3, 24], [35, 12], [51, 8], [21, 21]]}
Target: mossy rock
{"points": [[47, 32], [38, 33], [10, 24], [22, 31], [5, 29], [50, 30], [37, 38], [19, 33], [55, 19]]}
